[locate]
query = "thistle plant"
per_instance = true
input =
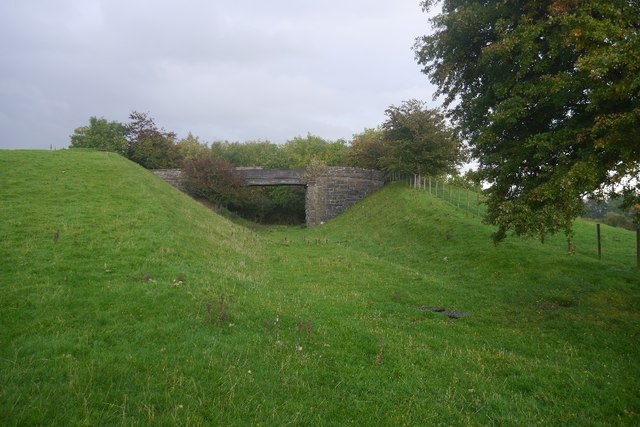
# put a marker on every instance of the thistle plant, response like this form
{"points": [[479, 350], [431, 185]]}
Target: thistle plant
{"points": [[276, 326], [223, 311], [379, 355], [308, 329], [299, 329]]}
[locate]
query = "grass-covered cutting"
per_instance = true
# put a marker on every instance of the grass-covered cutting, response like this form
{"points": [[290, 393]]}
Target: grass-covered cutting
{"points": [[123, 301]]}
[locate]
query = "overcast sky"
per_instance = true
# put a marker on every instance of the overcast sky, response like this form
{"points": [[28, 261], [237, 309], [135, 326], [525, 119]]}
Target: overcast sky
{"points": [[234, 70]]}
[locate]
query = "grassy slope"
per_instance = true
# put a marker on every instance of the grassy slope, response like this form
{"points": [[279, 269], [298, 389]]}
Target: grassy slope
{"points": [[86, 337]]}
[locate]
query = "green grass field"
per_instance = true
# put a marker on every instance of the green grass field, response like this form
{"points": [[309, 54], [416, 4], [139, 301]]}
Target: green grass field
{"points": [[123, 301]]}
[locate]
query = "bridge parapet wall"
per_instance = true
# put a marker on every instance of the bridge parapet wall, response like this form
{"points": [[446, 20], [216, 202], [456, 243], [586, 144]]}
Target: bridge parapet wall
{"points": [[171, 176], [269, 177]]}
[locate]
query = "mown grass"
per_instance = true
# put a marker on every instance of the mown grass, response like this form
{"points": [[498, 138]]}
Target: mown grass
{"points": [[123, 301]]}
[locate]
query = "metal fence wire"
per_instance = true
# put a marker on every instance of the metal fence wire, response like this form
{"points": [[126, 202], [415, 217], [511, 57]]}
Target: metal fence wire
{"points": [[460, 197]]}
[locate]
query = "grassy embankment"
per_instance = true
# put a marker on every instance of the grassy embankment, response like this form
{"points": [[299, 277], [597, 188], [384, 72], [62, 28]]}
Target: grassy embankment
{"points": [[123, 301]]}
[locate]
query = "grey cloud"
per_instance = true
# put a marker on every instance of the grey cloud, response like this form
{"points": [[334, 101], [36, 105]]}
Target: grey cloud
{"points": [[229, 69]]}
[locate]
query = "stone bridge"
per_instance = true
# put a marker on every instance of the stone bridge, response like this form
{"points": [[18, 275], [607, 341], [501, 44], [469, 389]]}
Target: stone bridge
{"points": [[330, 190]]}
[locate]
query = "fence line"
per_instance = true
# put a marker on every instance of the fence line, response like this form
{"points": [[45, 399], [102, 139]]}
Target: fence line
{"points": [[462, 198], [471, 201]]}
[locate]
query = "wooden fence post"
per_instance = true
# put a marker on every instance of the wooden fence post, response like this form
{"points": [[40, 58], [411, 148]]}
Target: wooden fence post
{"points": [[599, 244], [429, 185], [638, 247]]}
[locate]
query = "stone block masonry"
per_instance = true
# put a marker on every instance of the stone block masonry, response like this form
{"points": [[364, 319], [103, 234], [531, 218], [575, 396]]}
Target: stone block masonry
{"points": [[334, 189], [171, 176], [330, 190]]}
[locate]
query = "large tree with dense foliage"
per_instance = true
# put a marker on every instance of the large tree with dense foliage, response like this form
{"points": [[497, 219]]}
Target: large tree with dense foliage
{"points": [[252, 153], [101, 135], [191, 147], [301, 151], [418, 140], [367, 150], [547, 94], [148, 145]]}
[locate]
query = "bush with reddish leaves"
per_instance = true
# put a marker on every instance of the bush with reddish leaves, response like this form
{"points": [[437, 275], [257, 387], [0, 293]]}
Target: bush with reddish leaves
{"points": [[213, 179]]}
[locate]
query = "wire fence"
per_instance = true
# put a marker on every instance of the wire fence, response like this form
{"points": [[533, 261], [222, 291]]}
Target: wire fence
{"points": [[472, 201], [460, 197]]}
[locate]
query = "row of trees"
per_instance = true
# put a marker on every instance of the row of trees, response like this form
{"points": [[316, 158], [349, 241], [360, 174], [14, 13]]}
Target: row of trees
{"points": [[413, 139], [610, 212], [139, 140]]}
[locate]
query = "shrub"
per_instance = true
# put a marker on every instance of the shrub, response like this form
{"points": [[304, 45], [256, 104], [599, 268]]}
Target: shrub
{"points": [[212, 179], [616, 220]]}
